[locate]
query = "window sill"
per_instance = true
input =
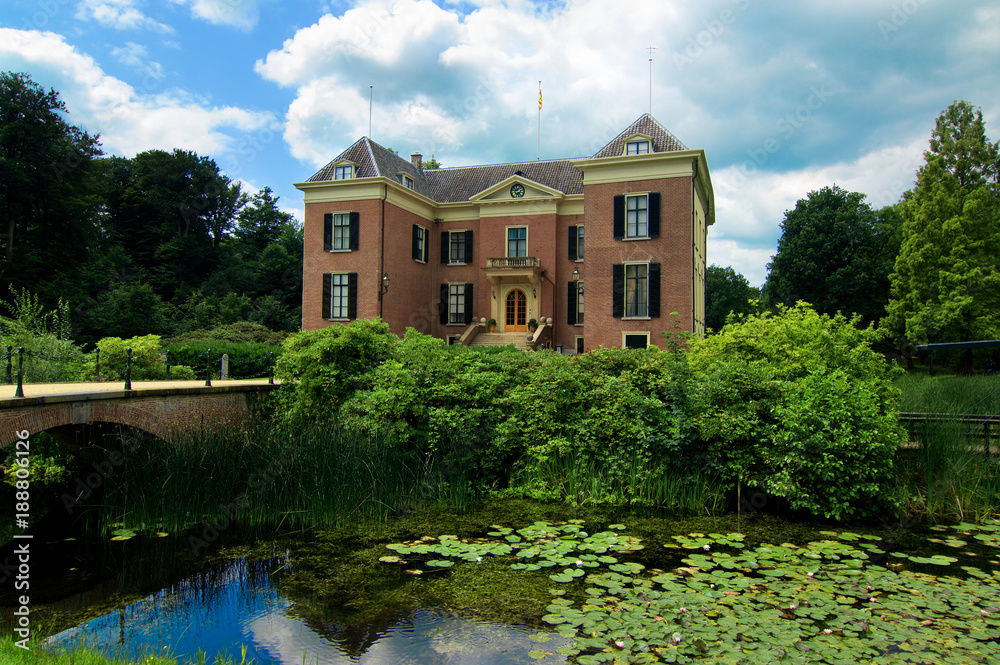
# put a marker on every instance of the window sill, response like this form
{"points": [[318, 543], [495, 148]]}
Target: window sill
{"points": [[339, 320], [578, 325], [457, 263], [637, 318], [458, 324], [339, 251], [629, 238]]}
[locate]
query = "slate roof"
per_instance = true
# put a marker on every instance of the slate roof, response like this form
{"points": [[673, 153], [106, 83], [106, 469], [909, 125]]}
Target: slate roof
{"points": [[462, 183], [663, 140], [449, 185]]}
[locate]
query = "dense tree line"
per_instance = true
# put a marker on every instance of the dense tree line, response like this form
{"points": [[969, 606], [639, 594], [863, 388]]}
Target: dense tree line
{"points": [[161, 243], [923, 270]]}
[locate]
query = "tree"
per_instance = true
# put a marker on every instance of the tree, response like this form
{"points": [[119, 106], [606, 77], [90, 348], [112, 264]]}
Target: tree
{"points": [[946, 284], [726, 292], [46, 186], [260, 221], [432, 163], [836, 253]]}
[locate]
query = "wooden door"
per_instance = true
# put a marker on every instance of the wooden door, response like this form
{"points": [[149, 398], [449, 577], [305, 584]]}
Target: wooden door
{"points": [[516, 311]]}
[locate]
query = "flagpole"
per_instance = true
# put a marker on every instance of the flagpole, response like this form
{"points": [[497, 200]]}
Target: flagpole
{"points": [[538, 156]]}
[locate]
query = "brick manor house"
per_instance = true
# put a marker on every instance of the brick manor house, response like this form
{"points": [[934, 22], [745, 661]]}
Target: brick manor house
{"points": [[599, 251]]}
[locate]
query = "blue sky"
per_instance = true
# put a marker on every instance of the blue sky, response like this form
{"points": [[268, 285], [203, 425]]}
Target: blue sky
{"points": [[785, 97]]}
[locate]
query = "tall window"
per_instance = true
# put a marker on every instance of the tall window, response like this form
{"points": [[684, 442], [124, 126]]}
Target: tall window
{"points": [[636, 216], [456, 303], [340, 293], [420, 242], [342, 231], [579, 242], [579, 304], [343, 172], [637, 148], [636, 289], [517, 241], [456, 249]]}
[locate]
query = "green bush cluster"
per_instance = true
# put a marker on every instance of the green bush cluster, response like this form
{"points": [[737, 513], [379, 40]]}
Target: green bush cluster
{"points": [[794, 403], [246, 360]]}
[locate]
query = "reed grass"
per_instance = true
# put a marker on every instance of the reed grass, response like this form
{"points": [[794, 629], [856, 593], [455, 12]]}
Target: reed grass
{"points": [[947, 472], [581, 480], [268, 477]]}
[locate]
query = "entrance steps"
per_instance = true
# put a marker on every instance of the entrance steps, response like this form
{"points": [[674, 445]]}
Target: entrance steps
{"points": [[518, 339]]}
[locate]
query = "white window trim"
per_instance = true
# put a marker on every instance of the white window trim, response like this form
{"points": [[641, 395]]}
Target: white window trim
{"points": [[578, 323], [625, 294], [338, 167], [426, 248], [506, 240], [578, 228], [333, 233], [451, 284], [348, 287], [644, 333], [632, 195], [456, 263]]}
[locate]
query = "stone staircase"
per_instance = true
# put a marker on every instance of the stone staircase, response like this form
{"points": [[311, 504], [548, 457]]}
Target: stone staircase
{"points": [[518, 339]]}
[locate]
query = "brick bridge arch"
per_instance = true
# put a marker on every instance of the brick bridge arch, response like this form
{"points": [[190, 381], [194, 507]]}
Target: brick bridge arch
{"points": [[165, 413]]}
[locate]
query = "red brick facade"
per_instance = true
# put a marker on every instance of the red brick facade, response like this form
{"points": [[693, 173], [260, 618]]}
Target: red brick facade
{"points": [[546, 199]]}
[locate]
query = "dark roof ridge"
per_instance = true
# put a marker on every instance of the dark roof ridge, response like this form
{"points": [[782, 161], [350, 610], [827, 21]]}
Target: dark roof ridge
{"points": [[531, 161]]}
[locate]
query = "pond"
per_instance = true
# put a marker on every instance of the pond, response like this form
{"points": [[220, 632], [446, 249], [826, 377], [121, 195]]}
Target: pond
{"points": [[521, 582]]}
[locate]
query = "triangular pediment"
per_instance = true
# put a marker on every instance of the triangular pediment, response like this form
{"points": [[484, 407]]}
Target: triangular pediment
{"points": [[515, 188]]}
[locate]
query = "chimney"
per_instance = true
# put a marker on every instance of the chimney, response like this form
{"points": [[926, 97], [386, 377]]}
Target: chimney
{"points": [[418, 161]]}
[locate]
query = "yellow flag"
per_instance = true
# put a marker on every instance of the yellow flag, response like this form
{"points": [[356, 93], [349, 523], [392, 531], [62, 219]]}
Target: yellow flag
{"points": [[539, 95]]}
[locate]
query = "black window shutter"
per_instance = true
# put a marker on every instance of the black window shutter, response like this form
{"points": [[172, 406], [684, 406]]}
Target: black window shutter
{"points": [[654, 214], [355, 229], [469, 304], [427, 245], [445, 246], [468, 246], [618, 290], [328, 231], [620, 216], [654, 289], [444, 304], [327, 294], [571, 304], [352, 295], [417, 256], [572, 244]]}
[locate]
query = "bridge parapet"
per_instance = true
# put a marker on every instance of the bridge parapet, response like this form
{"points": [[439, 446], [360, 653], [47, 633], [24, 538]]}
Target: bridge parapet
{"points": [[165, 412]]}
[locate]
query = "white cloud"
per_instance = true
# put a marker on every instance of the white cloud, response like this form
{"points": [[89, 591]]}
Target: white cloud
{"points": [[242, 14], [118, 14], [750, 206], [129, 121], [135, 56]]}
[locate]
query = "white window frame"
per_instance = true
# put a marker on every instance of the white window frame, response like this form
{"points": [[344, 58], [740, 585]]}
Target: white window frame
{"points": [[345, 228], [579, 304], [451, 245], [507, 241], [639, 144], [456, 304], [579, 242], [643, 333], [342, 292], [578, 343], [629, 198], [640, 296], [422, 238], [343, 172], [404, 180]]}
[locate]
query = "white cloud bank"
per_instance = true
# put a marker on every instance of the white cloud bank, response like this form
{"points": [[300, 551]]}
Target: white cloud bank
{"points": [[128, 120]]}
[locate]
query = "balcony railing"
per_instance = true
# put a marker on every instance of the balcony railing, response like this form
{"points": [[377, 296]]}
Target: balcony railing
{"points": [[514, 262]]}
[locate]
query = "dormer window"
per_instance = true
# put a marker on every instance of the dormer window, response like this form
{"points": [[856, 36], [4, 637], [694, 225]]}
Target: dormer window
{"points": [[640, 147], [345, 172], [404, 180]]}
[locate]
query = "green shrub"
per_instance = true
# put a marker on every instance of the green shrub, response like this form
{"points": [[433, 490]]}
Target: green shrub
{"points": [[148, 362], [799, 404], [246, 361]]}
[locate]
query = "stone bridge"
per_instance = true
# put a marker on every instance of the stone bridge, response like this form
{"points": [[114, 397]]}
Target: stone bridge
{"points": [[166, 409]]}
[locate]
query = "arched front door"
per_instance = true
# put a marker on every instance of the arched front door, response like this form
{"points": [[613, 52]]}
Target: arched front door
{"points": [[516, 311]]}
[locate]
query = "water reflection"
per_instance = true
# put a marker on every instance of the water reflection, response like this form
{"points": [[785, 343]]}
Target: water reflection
{"points": [[222, 610]]}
